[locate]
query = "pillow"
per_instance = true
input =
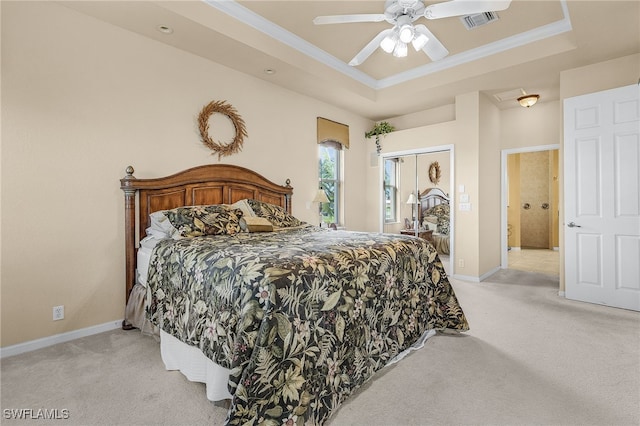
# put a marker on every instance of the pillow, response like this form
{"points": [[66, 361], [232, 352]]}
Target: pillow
{"points": [[441, 211], [278, 216], [244, 206], [159, 226], [255, 224], [194, 221]]}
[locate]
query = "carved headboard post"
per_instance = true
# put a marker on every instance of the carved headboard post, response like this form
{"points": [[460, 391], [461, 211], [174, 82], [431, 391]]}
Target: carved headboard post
{"points": [[126, 184], [287, 197]]}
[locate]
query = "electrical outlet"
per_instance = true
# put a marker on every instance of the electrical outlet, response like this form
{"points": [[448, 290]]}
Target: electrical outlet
{"points": [[58, 312], [461, 263]]}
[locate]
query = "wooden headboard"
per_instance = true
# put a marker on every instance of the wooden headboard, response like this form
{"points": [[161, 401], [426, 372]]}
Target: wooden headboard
{"points": [[208, 184], [431, 197]]}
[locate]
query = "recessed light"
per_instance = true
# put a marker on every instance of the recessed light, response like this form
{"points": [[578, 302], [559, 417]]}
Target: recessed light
{"points": [[164, 29], [269, 71]]}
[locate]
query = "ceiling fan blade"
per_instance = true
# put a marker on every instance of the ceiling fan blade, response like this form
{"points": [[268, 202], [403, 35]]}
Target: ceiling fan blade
{"points": [[369, 48], [464, 7], [347, 19], [434, 49]]}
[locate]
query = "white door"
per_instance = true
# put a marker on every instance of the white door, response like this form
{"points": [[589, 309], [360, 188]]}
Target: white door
{"points": [[602, 197]]}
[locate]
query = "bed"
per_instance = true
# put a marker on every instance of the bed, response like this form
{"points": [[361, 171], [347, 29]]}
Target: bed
{"points": [[284, 322], [435, 215]]}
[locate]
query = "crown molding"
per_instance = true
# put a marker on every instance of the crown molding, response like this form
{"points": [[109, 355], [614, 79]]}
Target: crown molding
{"points": [[248, 17]]}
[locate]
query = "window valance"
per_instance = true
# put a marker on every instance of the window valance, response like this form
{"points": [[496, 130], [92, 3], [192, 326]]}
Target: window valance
{"points": [[331, 131]]}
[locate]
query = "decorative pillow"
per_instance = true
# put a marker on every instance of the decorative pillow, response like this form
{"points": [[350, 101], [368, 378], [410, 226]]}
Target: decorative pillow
{"points": [[244, 206], [278, 216], [255, 224], [441, 211], [195, 221]]}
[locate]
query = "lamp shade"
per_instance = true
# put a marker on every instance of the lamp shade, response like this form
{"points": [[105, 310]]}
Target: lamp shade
{"points": [[321, 197], [412, 199]]}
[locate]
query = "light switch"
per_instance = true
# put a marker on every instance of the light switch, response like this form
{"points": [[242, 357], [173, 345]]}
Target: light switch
{"points": [[460, 188], [464, 198], [465, 207]]}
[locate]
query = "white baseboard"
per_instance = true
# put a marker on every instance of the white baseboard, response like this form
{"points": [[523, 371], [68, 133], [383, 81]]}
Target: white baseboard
{"points": [[466, 278], [477, 279], [32, 345], [488, 274]]}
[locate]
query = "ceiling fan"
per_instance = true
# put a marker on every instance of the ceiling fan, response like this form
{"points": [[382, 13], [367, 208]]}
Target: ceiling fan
{"points": [[401, 14]]}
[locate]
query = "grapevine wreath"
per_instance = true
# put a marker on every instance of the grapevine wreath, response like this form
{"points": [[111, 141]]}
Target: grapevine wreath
{"points": [[221, 149], [434, 172]]}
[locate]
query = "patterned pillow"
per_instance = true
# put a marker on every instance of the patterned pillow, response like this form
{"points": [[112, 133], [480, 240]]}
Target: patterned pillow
{"points": [[441, 211], [195, 221], [274, 214]]}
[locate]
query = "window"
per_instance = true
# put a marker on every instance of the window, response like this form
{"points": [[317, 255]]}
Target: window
{"points": [[391, 190], [329, 172]]}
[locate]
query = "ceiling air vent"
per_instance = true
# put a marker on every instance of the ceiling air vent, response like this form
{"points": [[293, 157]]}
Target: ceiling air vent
{"points": [[479, 19]]}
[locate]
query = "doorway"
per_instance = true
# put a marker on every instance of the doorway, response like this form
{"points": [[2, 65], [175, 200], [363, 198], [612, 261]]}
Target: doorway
{"points": [[530, 209]]}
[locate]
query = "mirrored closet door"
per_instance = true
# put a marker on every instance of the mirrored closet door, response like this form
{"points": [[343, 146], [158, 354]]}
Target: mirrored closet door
{"points": [[415, 201]]}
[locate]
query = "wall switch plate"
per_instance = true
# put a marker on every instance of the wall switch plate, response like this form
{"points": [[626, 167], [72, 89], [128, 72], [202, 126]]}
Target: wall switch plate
{"points": [[58, 312], [464, 198], [465, 207]]}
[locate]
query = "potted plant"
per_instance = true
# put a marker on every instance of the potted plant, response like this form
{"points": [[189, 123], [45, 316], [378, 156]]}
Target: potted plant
{"points": [[381, 128]]}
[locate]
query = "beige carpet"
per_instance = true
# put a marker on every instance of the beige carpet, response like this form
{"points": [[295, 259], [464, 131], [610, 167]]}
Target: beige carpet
{"points": [[530, 358]]}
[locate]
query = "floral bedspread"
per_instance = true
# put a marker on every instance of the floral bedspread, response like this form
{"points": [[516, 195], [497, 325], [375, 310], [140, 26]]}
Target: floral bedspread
{"points": [[302, 317]]}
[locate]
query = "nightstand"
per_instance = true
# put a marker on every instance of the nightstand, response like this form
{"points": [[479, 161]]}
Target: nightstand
{"points": [[426, 234]]}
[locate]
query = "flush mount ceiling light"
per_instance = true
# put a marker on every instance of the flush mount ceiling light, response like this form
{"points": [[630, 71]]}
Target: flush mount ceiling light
{"points": [[528, 101], [164, 29]]}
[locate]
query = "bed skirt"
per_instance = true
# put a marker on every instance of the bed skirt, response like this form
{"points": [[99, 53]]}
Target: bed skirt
{"points": [[196, 367]]}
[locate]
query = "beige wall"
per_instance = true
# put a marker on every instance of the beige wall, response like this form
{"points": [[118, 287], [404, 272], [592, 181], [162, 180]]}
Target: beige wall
{"points": [[601, 76], [530, 127], [489, 198], [81, 101]]}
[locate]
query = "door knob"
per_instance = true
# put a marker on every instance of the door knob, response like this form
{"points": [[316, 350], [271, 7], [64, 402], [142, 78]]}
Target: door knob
{"points": [[573, 225]]}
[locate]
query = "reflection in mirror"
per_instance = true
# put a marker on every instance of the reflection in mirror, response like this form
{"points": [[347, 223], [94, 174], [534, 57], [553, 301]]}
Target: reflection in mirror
{"points": [[406, 175], [400, 182]]}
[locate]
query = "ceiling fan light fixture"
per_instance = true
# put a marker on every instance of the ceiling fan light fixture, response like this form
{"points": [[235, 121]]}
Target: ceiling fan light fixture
{"points": [[401, 50], [528, 101], [406, 33], [388, 43], [419, 41]]}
